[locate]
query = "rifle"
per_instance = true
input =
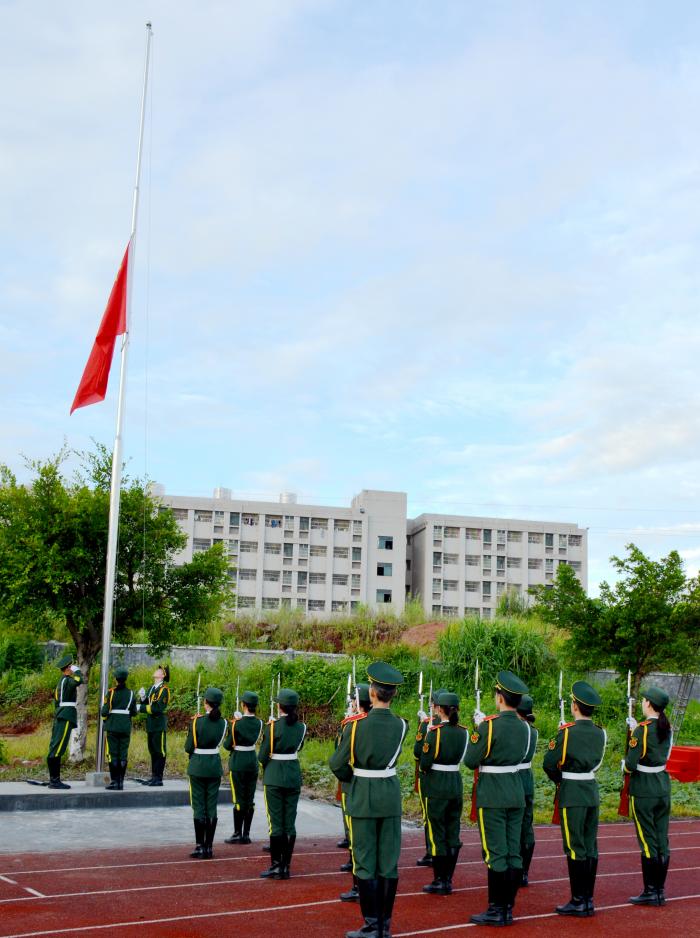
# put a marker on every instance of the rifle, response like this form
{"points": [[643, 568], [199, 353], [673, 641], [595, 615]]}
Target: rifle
{"points": [[562, 721], [477, 688], [430, 702], [199, 700], [272, 700], [421, 697], [624, 807], [477, 691], [348, 696], [238, 690]]}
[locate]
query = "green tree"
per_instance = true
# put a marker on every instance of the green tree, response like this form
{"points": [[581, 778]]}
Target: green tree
{"points": [[53, 545], [565, 604]]}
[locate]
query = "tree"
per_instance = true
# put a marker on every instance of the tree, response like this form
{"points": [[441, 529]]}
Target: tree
{"points": [[53, 546], [565, 604]]}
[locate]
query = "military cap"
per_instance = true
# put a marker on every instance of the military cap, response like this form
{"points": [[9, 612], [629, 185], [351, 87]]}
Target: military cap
{"points": [[656, 696], [287, 697], [250, 697], [583, 693], [510, 682], [214, 696], [165, 669], [525, 708], [64, 662], [436, 694], [121, 673], [448, 699], [380, 672], [363, 693]]}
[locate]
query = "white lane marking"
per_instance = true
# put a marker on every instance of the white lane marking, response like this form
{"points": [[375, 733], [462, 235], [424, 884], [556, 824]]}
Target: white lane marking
{"points": [[34, 892], [5, 879]]}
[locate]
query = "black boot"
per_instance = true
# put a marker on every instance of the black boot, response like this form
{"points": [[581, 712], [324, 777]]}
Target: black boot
{"points": [[277, 844], [590, 885], [247, 821], [122, 774], [452, 858], [386, 896], [54, 766], [527, 860], [353, 894], [199, 836], [343, 844], [235, 837], [496, 914], [664, 860], [578, 880], [648, 895], [209, 831], [440, 885], [157, 769], [513, 880], [427, 858], [287, 851], [369, 905], [347, 866], [114, 776]]}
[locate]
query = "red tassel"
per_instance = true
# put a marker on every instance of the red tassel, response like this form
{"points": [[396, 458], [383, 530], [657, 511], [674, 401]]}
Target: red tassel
{"points": [[555, 812], [472, 813], [416, 786], [624, 807], [339, 793]]}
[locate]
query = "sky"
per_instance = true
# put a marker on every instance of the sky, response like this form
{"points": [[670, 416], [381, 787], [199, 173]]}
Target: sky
{"points": [[448, 249]]}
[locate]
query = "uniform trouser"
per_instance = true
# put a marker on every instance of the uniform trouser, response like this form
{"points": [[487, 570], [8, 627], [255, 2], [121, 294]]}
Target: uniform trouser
{"points": [[243, 789], [650, 816], [118, 746], [375, 843], [579, 831], [500, 830], [158, 750], [443, 817], [346, 826], [204, 795], [60, 737], [527, 833], [421, 798], [281, 807]]}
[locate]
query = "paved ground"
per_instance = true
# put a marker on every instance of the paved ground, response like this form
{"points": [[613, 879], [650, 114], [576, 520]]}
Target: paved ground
{"points": [[159, 891]]}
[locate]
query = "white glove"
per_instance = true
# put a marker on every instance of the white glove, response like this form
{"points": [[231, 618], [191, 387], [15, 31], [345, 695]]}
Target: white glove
{"points": [[142, 693], [479, 717], [632, 723], [238, 714], [422, 716], [74, 668], [622, 765]]}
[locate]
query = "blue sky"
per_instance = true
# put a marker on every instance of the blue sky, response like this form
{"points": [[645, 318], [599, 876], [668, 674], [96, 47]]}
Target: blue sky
{"points": [[444, 248]]}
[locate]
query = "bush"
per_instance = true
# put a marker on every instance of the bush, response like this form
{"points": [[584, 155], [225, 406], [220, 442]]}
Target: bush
{"points": [[20, 654]]}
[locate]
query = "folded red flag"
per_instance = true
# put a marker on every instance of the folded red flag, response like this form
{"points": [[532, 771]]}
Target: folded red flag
{"points": [[624, 807], [93, 384], [473, 812]]}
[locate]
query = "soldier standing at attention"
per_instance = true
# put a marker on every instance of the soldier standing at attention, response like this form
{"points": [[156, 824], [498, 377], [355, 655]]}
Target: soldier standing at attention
{"points": [[366, 758], [118, 709], [441, 783], [155, 705], [362, 694], [527, 837], [65, 717], [205, 736], [650, 792], [497, 748], [571, 760], [425, 721], [243, 733], [279, 757]]}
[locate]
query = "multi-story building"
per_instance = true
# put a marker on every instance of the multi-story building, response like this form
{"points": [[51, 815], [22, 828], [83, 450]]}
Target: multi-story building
{"points": [[324, 560]]}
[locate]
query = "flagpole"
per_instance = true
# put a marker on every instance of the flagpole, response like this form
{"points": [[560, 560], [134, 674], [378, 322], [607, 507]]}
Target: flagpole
{"points": [[115, 490]]}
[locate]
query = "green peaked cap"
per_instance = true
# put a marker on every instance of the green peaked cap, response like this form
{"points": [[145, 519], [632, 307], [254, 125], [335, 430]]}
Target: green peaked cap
{"points": [[64, 662], [287, 697], [382, 673], [582, 692], [120, 674], [363, 692], [250, 697], [447, 699], [511, 682], [214, 696], [656, 696]]}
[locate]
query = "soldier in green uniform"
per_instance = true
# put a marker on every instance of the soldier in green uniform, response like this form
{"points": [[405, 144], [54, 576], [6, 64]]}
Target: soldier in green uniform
{"points": [[366, 758], [118, 709], [279, 757], [65, 717], [650, 792], [425, 720], [497, 748], [443, 793], [243, 733], [155, 705], [571, 760], [205, 736], [362, 697], [527, 837]]}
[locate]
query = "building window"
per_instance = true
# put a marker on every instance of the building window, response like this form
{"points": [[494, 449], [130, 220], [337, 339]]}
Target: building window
{"points": [[219, 517], [437, 610], [202, 515], [286, 602], [273, 521], [273, 548], [534, 563], [450, 558], [271, 576], [515, 537], [562, 540], [575, 564], [317, 578], [450, 611], [486, 589], [473, 534], [500, 564], [303, 524], [548, 564], [472, 560], [513, 562], [341, 553], [383, 596], [180, 514], [385, 542], [472, 586], [270, 602], [245, 602], [301, 604], [302, 577], [451, 532], [450, 584], [384, 569], [357, 554], [200, 544], [485, 613], [487, 536], [575, 540], [339, 605], [218, 529], [234, 519], [319, 524], [341, 525], [289, 550], [287, 577], [357, 527], [317, 605], [437, 558], [408, 563], [340, 579], [549, 540], [318, 551], [247, 574], [355, 581], [250, 521], [303, 550], [534, 537]]}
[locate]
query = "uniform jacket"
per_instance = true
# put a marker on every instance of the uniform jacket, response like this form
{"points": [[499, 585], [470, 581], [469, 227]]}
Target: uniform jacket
{"points": [[281, 739], [205, 734], [501, 740], [646, 750], [444, 745], [243, 731], [578, 747], [371, 741], [526, 775], [67, 691], [155, 707], [420, 735], [121, 699]]}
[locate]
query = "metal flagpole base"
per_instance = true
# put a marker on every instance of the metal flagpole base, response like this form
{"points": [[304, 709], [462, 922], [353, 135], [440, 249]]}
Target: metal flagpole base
{"points": [[96, 779]]}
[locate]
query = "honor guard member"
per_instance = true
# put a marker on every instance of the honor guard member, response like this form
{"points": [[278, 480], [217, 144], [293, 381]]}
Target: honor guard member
{"points": [[366, 758], [571, 760], [205, 736], [279, 757], [65, 717], [155, 706], [527, 837], [424, 722], [497, 748], [118, 710], [443, 793], [353, 894], [650, 792], [243, 733]]}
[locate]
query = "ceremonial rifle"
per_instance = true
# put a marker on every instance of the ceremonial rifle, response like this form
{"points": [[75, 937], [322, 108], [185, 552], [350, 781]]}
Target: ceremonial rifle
{"points": [[199, 681], [238, 690], [562, 721], [624, 807], [477, 692], [421, 698]]}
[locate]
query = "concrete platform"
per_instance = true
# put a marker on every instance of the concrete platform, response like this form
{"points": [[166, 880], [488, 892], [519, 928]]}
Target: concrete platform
{"points": [[21, 796]]}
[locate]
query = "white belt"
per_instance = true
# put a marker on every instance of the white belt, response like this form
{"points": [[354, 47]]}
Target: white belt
{"points": [[524, 765], [374, 773], [282, 756], [446, 768], [206, 752], [578, 776], [499, 769], [66, 703], [651, 769], [244, 748], [124, 712]]}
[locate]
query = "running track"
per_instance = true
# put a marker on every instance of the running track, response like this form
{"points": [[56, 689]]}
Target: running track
{"points": [[159, 891]]}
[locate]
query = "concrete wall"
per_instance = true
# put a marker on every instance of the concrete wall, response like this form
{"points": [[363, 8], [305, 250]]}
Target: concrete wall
{"points": [[669, 682]]}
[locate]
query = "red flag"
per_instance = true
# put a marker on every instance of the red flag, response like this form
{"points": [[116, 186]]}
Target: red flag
{"points": [[93, 384]]}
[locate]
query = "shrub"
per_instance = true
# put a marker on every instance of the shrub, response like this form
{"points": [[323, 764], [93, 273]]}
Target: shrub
{"points": [[20, 653]]}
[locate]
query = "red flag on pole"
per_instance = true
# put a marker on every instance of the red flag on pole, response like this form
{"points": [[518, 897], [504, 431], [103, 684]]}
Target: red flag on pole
{"points": [[93, 384]]}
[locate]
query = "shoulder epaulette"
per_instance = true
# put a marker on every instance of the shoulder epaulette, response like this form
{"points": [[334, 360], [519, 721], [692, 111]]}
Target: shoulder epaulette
{"points": [[353, 718], [644, 723], [493, 716], [565, 726], [463, 727], [435, 726]]}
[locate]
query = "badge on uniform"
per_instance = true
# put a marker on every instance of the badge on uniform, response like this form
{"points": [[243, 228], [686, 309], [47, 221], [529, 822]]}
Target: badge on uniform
{"points": [[426, 748], [633, 742], [552, 744], [419, 736], [474, 737]]}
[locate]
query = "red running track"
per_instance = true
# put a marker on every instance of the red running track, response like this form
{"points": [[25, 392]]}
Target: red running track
{"points": [[161, 892]]}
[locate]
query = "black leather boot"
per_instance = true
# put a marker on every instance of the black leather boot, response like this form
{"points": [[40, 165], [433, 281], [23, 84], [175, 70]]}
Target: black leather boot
{"points": [[247, 821], [277, 844], [386, 896], [369, 905], [527, 860], [209, 831], [578, 880], [287, 851], [199, 836], [343, 844], [122, 774], [513, 880], [496, 914], [427, 858], [440, 885], [235, 837], [452, 858], [157, 769], [664, 860], [590, 885], [353, 894], [114, 776], [347, 866], [54, 766]]}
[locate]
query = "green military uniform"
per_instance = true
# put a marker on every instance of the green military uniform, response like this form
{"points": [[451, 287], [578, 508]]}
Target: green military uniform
{"points": [[205, 736], [118, 709], [443, 793], [282, 783], [650, 798], [497, 748], [155, 707], [424, 723], [241, 738], [366, 759], [571, 760], [361, 696], [65, 719], [527, 835]]}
